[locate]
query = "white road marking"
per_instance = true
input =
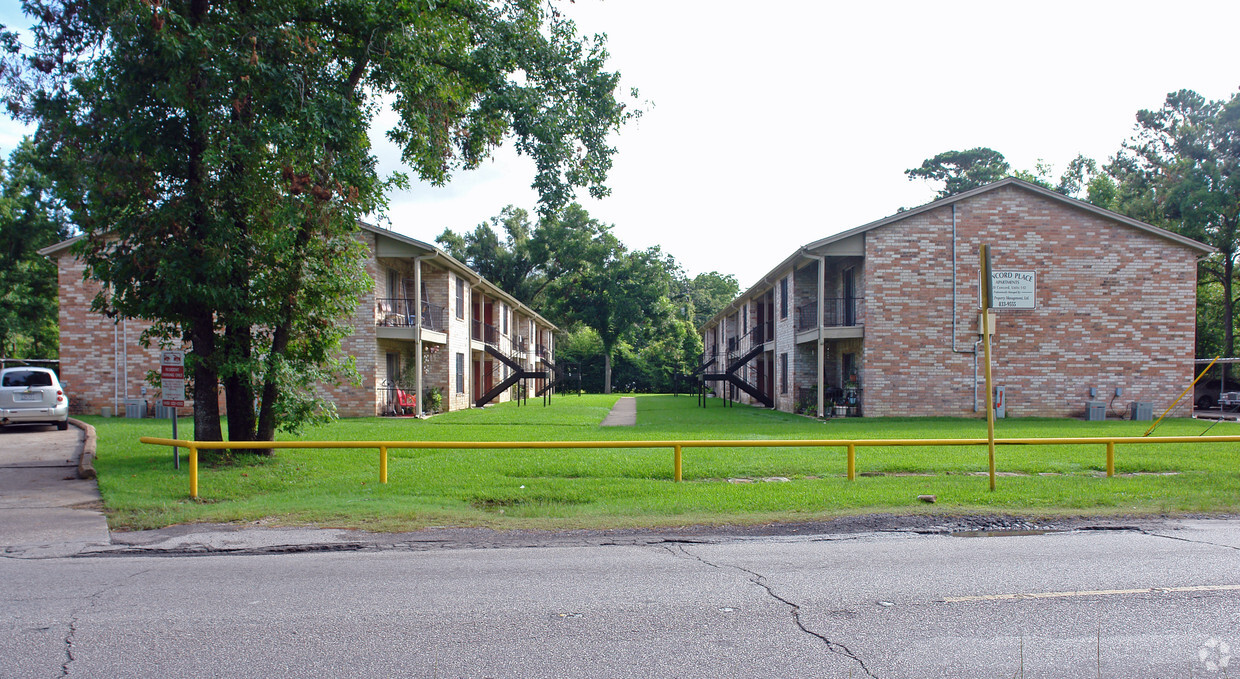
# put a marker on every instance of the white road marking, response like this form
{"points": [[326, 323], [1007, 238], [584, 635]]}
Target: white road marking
{"points": [[1100, 592]]}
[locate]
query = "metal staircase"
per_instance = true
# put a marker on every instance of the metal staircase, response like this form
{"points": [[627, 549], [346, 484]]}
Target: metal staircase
{"points": [[518, 373], [736, 361]]}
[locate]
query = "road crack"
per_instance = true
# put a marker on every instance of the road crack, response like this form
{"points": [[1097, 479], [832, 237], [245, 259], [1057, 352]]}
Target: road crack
{"points": [[64, 668], [1180, 539], [679, 551]]}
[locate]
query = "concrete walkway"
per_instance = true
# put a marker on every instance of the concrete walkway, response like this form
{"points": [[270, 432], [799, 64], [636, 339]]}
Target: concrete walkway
{"points": [[46, 509], [623, 414]]}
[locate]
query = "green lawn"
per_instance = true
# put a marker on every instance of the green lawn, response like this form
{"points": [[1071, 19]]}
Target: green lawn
{"points": [[634, 487]]}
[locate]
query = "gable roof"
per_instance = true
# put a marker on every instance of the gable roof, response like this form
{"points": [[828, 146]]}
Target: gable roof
{"points": [[806, 251]]}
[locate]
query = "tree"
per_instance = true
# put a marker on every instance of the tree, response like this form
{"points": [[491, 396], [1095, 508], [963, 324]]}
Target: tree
{"points": [[1181, 170], [30, 219], [529, 257], [961, 171], [615, 292], [216, 157], [710, 292]]}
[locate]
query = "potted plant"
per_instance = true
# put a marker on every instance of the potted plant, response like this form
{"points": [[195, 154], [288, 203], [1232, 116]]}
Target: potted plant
{"points": [[434, 400]]}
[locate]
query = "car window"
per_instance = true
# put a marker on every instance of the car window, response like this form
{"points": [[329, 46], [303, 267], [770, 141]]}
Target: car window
{"points": [[26, 378]]}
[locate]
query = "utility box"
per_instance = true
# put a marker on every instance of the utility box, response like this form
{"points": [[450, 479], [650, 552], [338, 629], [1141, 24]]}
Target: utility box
{"points": [[135, 408], [1095, 411], [1000, 402], [1141, 410]]}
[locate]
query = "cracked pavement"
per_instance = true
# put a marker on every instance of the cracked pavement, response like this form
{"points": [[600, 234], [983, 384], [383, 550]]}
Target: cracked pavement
{"points": [[1136, 601]]}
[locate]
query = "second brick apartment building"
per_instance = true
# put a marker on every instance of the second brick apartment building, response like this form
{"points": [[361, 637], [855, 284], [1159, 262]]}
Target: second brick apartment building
{"points": [[883, 319]]}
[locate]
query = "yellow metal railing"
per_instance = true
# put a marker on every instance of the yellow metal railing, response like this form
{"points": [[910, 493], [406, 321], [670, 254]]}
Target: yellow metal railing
{"points": [[850, 445]]}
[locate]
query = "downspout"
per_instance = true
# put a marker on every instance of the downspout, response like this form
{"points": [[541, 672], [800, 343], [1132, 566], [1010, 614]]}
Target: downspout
{"points": [[822, 343]]}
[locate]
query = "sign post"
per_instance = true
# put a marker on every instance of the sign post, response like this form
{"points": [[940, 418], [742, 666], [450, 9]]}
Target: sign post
{"points": [[172, 383], [987, 303]]}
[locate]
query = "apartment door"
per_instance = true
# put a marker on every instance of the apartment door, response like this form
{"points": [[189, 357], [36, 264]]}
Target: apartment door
{"points": [[850, 297]]}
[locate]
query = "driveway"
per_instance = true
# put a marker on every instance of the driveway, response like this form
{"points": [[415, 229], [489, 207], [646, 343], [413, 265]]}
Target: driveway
{"points": [[45, 509]]}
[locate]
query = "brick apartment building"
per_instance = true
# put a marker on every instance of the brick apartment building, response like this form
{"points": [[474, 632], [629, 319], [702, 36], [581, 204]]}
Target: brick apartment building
{"points": [[464, 327], [883, 319]]}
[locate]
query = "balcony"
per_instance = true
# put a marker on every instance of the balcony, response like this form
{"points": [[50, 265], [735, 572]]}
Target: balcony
{"points": [[838, 312], [484, 332], [398, 312], [521, 344]]}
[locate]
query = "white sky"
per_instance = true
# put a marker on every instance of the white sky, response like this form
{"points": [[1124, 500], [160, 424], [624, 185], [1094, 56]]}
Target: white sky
{"points": [[772, 125]]}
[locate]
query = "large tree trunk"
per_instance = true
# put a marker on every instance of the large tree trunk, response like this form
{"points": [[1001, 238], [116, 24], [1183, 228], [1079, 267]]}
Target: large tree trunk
{"points": [[606, 372], [206, 381], [238, 388]]}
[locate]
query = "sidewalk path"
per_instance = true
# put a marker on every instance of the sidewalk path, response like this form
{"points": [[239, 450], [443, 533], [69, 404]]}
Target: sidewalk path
{"points": [[623, 414], [46, 510]]}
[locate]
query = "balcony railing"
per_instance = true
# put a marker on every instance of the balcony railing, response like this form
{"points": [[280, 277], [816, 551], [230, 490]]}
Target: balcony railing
{"points": [[838, 312], [485, 332], [543, 351], [521, 344], [398, 311], [763, 332]]}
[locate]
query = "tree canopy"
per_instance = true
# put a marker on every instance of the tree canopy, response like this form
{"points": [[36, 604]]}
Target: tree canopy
{"points": [[30, 218], [961, 171], [216, 157]]}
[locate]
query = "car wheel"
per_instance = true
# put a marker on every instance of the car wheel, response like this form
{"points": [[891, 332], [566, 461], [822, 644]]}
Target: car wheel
{"points": [[62, 425]]}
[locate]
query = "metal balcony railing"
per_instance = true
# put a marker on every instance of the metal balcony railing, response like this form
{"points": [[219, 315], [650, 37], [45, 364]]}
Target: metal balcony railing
{"points": [[398, 311], [838, 312], [485, 332]]}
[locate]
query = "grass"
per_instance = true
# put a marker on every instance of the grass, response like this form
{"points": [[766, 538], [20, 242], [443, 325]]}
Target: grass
{"points": [[558, 489]]}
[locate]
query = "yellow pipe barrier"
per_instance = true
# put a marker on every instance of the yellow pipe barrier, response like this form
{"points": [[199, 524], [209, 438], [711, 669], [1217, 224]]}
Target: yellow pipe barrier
{"points": [[849, 444], [193, 472]]}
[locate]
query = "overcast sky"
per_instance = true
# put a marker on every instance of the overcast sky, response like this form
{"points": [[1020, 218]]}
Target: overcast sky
{"points": [[771, 125]]}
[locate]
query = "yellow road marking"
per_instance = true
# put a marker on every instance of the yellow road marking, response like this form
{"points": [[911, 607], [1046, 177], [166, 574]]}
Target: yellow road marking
{"points": [[1100, 592]]}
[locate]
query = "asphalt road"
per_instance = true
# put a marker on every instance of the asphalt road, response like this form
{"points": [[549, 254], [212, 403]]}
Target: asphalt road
{"points": [[1157, 601]]}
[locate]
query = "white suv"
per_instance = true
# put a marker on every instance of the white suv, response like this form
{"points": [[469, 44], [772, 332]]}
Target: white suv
{"points": [[31, 396]]}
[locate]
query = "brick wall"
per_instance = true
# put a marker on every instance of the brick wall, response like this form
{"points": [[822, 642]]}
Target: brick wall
{"points": [[101, 361], [1115, 308]]}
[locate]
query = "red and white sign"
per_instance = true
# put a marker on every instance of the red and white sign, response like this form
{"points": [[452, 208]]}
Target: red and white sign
{"points": [[172, 377]]}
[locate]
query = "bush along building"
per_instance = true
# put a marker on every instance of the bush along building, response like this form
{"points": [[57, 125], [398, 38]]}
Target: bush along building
{"points": [[883, 319], [429, 326]]}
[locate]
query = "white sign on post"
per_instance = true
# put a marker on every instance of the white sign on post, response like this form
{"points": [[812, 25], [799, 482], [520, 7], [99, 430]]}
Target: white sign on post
{"points": [[172, 377], [1014, 289]]}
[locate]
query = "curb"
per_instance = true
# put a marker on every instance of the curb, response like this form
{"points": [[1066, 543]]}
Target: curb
{"points": [[86, 462]]}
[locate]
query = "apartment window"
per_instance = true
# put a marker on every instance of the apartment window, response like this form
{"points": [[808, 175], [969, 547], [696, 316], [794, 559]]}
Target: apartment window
{"points": [[744, 319], [460, 373], [783, 373], [783, 297], [393, 283], [504, 311], [460, 298]]}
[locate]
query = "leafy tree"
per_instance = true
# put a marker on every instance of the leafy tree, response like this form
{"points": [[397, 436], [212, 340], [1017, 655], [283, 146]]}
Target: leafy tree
{"points": [[529, 257], [961, 171], [1181, 170], [615, 292], [30, 218], [709, 292], [216, 157]]}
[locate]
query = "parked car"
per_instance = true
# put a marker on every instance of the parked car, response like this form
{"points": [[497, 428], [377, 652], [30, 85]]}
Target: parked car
{"points": [[1207, 391], [32, 396]]}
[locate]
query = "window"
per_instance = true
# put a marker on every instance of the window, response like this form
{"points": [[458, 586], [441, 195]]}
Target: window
{"points": [[460, 298], [744, 319], [783, 297], [504, 311], [783, 373], [460, 373], [393, 283]]}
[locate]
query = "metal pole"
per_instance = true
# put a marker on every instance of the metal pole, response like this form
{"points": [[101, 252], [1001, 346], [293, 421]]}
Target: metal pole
{"points": [[852, 462], [676, 462], [193, 472], [176, 453], [990, 394], [1110, 459], [383, 464]]}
